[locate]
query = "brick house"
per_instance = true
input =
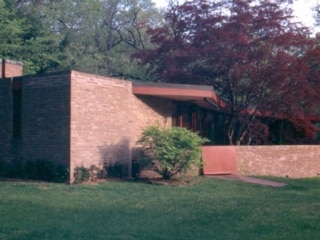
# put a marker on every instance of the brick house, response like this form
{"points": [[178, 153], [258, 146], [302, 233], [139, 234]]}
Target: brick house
{"points": [[79, 119]]}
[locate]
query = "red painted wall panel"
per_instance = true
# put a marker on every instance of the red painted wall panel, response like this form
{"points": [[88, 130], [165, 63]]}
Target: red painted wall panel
{"points": [[219, 160]]}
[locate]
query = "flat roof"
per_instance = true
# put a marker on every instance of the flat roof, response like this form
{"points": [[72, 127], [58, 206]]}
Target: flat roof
{"points": [[204, 96]]}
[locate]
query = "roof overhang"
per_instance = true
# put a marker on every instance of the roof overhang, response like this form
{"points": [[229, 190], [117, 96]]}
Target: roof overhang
{"points": [[203, 96]]}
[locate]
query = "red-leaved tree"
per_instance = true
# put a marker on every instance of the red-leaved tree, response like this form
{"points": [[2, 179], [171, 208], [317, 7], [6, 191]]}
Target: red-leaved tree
{"points": [[251, 52]]}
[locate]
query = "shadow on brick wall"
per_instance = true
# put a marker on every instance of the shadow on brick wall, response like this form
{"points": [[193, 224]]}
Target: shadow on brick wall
{"points": [[116, 157], [162, 106]]}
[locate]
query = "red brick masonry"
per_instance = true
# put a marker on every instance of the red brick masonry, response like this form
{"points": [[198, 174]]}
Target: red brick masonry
{"points": [[296, 161]]}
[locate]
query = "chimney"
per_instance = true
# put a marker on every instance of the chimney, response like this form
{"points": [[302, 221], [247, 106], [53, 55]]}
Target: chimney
{"points": [[10, 68]]}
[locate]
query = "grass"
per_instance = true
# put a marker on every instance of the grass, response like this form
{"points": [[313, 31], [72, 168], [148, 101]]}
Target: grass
{"points": [[210, 209]]}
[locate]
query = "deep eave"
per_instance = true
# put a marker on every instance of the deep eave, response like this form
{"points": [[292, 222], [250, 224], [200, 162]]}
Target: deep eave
{"points": [[203, 96]]}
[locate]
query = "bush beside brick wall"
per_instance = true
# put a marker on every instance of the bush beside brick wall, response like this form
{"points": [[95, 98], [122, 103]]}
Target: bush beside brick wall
{"points": [[107, 119], [148, 111], [76, 119], [101, 121]]}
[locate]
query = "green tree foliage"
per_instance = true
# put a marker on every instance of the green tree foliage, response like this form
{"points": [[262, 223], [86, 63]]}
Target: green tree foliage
{"points": [[120, 28], [26, 37], [96, 36], [170, 151], [12, 30], [316, 10], [249, 51]]}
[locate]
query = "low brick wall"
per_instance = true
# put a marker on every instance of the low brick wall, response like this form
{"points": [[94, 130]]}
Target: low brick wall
{"points": [[295, 161]]}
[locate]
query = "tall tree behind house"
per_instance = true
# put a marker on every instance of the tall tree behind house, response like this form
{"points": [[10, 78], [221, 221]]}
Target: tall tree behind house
{"points": [[249, 51]]}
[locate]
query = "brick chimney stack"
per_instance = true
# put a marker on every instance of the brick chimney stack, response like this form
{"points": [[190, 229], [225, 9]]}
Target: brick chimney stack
{"points": [[10, 68]]}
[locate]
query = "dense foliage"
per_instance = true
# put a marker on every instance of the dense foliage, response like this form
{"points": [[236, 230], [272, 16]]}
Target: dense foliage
{"points": [[251, 52], [40, 170], [170, 151], [96, 36]]}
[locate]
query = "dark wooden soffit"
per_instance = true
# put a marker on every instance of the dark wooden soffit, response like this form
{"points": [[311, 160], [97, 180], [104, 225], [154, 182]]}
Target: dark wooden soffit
{"points": [[203, 96]]}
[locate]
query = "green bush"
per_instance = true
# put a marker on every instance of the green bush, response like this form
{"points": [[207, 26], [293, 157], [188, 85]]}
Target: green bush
{"points": [[81, 174], [170, 151], [42, 170], [96, 173], [116, 170]]}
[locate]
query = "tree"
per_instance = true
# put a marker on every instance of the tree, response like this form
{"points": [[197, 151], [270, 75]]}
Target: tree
{"points": [[96, 36], [170, 151], [316, 10], [249, 51], [122, 30], [12, 29], [312, 60], [26, 38]]}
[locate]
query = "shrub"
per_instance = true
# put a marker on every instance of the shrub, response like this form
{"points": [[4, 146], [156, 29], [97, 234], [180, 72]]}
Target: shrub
{"points": [[43, 170], [95, 173], [81, 174], [170, 151], [116, 169]]}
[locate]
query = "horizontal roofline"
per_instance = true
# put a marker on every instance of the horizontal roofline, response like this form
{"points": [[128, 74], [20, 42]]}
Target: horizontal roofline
{"points": [[173, 85], [199, 94], [11, 61]]}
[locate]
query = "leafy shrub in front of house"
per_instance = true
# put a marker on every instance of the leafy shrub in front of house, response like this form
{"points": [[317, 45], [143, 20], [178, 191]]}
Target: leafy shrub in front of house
{"points": [[170, 151], [40, 170], [117, 170], [96, 173], [12, 169], [81, 174]]}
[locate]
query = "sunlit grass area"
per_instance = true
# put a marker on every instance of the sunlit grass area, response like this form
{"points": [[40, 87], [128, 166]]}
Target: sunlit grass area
{"points": [[208, 209]]}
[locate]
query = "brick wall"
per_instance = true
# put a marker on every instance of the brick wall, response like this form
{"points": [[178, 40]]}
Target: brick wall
{"points": [[150, 110], [296, 161], [77, 119], [293, 161], [106, 120], [5, 119], [9, 68], [100, 120], [45, 117]]}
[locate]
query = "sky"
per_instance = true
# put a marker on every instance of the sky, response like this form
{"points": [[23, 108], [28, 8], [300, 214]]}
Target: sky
{"points": [[302, 9]]}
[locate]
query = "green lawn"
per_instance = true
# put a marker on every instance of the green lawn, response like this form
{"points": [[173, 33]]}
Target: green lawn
{"points": [[209, 209]]}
